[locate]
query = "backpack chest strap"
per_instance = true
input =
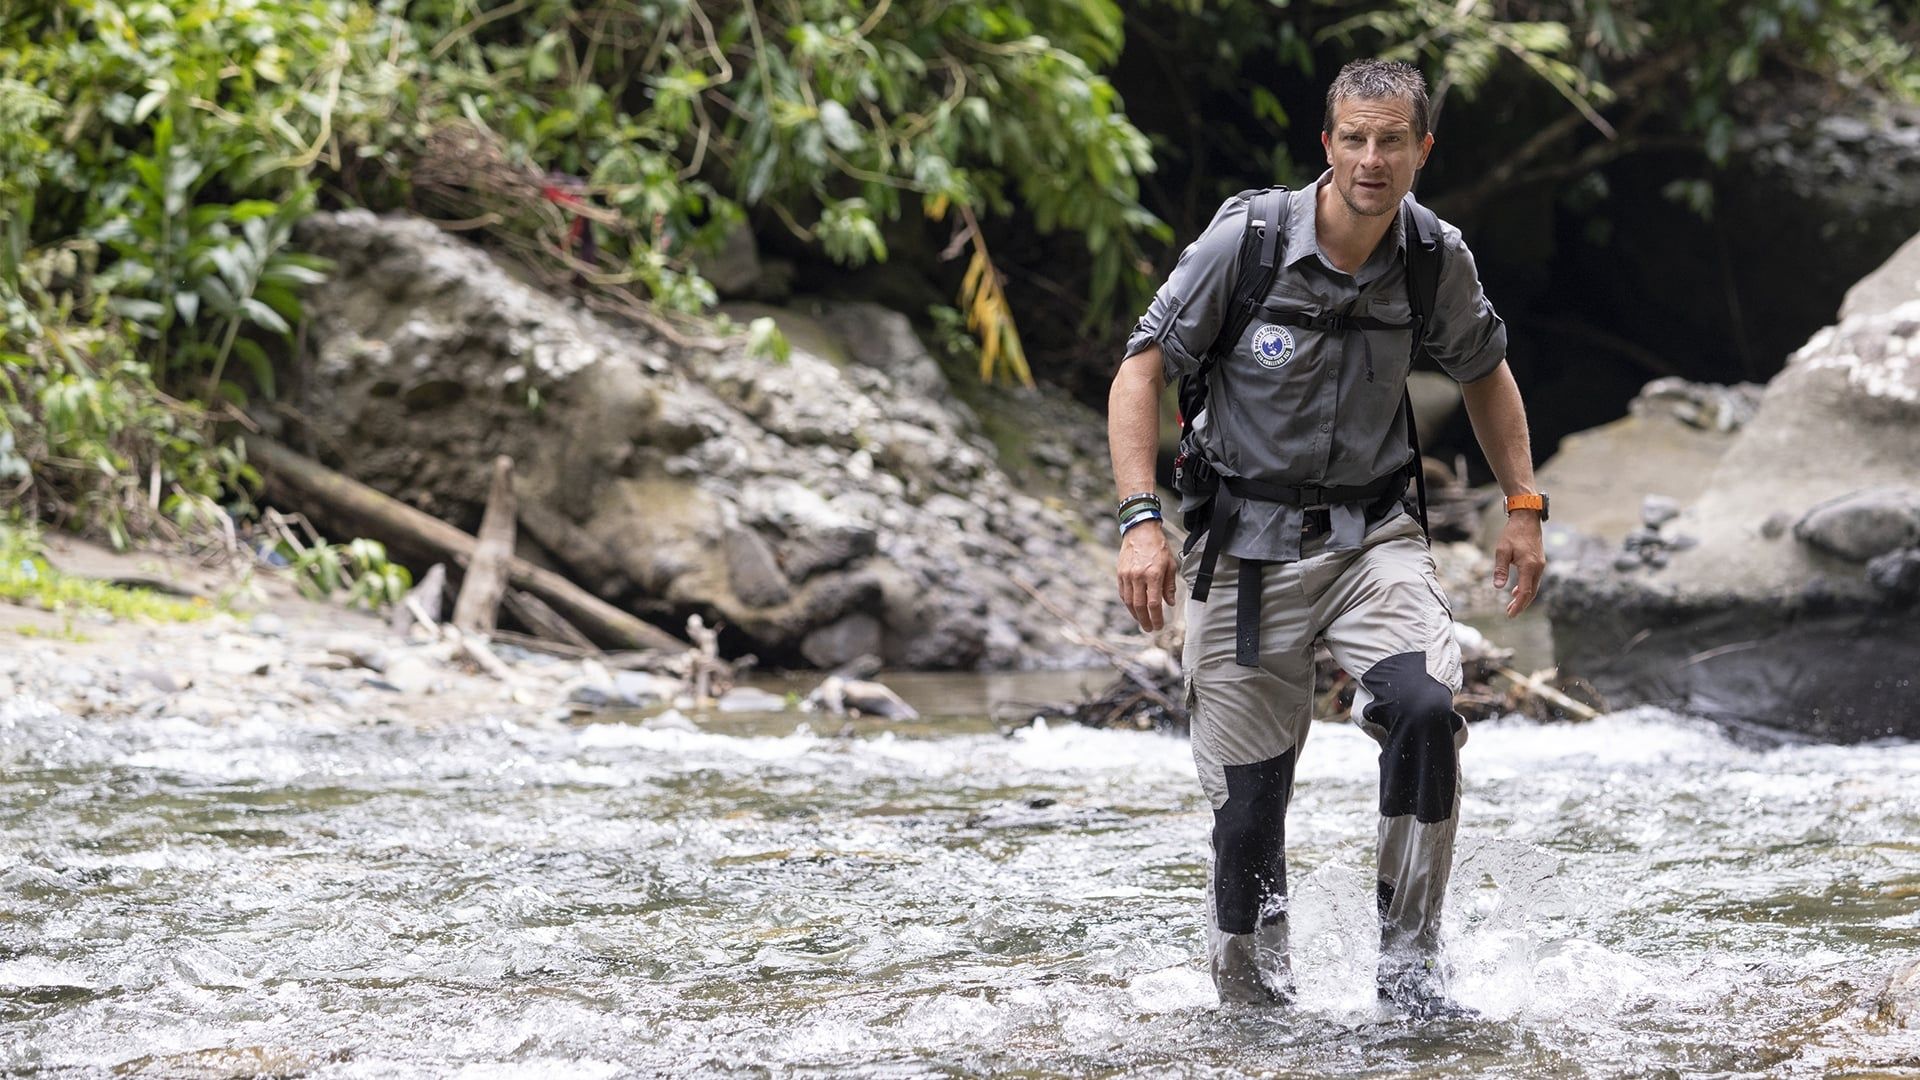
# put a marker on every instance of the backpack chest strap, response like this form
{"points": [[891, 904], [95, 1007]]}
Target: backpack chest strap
{"points": [[1334, 321]]}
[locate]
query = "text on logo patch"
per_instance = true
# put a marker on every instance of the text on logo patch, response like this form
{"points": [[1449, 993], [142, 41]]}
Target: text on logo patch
{"points": [[1272, 346]]}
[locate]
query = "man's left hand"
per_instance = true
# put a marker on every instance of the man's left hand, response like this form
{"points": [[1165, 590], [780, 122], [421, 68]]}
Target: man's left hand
{"points": [[1519, 559]]}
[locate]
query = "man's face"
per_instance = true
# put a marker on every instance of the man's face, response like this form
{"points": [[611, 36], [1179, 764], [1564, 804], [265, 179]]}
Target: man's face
{"points": [[1373, 153]]}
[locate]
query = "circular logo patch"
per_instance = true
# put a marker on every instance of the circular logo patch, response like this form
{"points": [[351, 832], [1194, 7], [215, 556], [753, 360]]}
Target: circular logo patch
{"points": [[1272, 346]]}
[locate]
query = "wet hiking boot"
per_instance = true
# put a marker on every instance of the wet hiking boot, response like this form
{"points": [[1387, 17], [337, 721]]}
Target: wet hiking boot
{"points": [[1255, 994], [1419, 995]]}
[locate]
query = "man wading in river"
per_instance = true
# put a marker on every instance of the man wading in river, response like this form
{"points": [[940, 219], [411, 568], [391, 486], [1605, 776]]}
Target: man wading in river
{"points": [[1294, 472]]}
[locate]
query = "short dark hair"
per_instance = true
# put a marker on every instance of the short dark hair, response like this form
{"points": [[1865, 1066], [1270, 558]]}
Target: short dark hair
{"points": [[1375, 79]]}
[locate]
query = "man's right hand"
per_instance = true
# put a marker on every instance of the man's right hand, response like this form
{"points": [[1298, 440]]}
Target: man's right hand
{"points": [[1147, 572]]}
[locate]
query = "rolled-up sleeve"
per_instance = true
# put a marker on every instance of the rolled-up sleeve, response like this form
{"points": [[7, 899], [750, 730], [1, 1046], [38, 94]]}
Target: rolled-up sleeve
{"points": [[1468, 339], [1188, 311]]}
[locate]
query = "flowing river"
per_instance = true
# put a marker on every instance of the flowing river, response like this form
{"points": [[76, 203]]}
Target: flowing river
{"points": [[777, 895]]}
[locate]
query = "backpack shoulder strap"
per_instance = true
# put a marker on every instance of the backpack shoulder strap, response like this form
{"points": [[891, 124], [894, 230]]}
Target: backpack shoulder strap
{"points": [[1255, 265], [1421, 227]]}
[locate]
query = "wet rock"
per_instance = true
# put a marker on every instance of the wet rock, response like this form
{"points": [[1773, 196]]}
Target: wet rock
{"points": [[641, 688], [1864, 524], [1896, 574], [1792, 636], [1657, 510], [752, 572], [1898, 1003], [590, 696], [670, 720], [832, 548], [751, 699], [855, 635]]}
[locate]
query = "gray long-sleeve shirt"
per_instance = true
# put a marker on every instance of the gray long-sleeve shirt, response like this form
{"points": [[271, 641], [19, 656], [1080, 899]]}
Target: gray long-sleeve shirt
{"points": [[1296, 406]]}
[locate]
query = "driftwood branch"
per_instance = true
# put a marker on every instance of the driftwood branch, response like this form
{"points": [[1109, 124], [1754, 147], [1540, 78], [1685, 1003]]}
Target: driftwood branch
{"points": [[478, 606], [298, 478]]}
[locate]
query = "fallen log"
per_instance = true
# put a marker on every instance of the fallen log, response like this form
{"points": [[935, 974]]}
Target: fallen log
{"points": [[296, 477], [535, 614]]}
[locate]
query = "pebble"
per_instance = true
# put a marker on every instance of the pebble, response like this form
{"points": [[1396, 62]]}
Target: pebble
{"points": [[751, 699], [671, 720], [409, 675], [267, 624], [1657, 510], [167, 682], [241, 663]]}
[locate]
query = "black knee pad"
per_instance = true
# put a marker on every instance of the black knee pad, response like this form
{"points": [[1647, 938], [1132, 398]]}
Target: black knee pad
{"points": [[1250, 842], [1419, 765]]}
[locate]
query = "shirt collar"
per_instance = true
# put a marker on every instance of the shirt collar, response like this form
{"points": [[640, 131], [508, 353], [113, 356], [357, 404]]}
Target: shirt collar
{"points": [[1303, 240]]}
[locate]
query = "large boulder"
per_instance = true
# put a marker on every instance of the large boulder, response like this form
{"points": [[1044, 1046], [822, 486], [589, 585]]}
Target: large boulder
{"points": [[1785, 598], [837, 502]]}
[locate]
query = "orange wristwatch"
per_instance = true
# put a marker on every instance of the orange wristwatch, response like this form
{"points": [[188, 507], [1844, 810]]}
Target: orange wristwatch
{"points": [[1528, 502]]}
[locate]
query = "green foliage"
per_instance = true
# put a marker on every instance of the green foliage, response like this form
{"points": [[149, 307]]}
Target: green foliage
{"points": [[835, 119], [1636, 70], [155, 158], [356, 572], [764, 339], [25, 578]]}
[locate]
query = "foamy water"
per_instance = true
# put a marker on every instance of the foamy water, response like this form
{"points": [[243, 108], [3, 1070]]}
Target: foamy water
{"points": [[1635, 895]]}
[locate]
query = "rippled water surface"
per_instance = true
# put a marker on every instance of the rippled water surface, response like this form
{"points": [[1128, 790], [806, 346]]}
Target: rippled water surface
{"points": [[1634, 896]]}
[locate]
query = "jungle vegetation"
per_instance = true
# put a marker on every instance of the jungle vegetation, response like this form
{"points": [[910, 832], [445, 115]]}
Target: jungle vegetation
{"points": [[157, 157]]}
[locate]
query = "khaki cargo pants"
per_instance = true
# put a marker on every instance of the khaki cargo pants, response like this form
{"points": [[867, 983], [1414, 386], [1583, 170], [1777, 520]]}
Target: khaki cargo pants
{"points": [[1381, 612]]}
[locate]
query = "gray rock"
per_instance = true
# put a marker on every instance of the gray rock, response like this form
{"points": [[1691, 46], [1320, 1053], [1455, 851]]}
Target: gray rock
{"points": [[751, 699], [1897, 574], [752, 571], [855, 635], [1864, 524], [1793, 637], [832, 548], [362, 651], [770, 496], [241, 663], [1657, 510], [670, 720], [410, 674], [642, 688], [735, 269], [167, 682], [1776, 525], [883, 339], [591, 696], [267, 624]]}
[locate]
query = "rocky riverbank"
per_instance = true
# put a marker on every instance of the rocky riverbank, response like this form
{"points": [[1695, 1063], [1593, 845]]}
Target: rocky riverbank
{"points": [[1782, 591], [836, 501]]}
